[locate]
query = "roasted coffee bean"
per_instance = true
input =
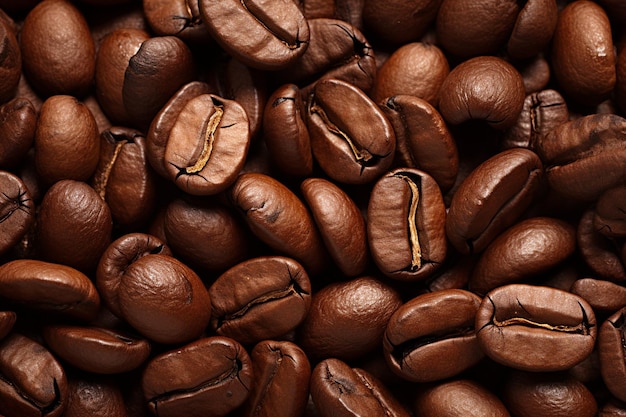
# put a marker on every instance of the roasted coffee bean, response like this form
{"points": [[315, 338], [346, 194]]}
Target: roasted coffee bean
{"points": [[33, 383], [339, 390], [491, 198], [399, 21], [535, 72], [7, 320], [535, 328], [281, 380], [178, 18], [458, 398], [279, 219], [610, 212], [277, 33], [340, 223], [611, 350], [50, 30], [94, 397], [18, 121], [73, 225], [351, 138], [432, 336], [95, 349], [261, 298], [406, 220], [123, 177], [10, 59], [17, 211], [67, 145], [582, 58], [529, 394], [600, 252], [533, 29], [423, 140], [347, 320], [523, 251], [602, 296], [285, 132], [208, 377], [613, 408], [48, 287], [483, 88]]}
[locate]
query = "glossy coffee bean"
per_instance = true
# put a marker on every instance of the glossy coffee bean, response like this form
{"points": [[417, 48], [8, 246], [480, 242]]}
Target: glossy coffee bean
{"points": [[602, 296], [406, 225], [429, 328], [208, 377], [277, 33], [281, 380], [94, 397], [483, 88], [177, 18], [523, 251], [610, 213], [535, 328], [600, 252], [261, 298], [22, 394], [95, 349], [17, 131], [51, 29], [399, 21], [16, 210], [533, 29], [47, 287], [611, 352], [339, 390], [351, 138], [340, 223], [492, 197], [348, 319]]}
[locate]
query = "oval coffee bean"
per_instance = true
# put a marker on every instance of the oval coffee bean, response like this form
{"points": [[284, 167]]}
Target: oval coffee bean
{"points": [[399, 21], [49, 287], [523, 251], [535, 328], [16, 211], [491, 198], [208, 377], [339, 390], [94, 397], [340, 223], [276, 35], [611, 351], [421, 330], [602, 296], [406, 219], [483, 88], [281, 380], [179, 18], [261, 298], [33, 382], [351, 138], [533, 29], [610, 212], [96, 350], [598, 251], [17, 130], [10, 60]]}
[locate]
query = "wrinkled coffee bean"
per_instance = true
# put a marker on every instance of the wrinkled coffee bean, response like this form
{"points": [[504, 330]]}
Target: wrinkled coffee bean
{"points": [[18, 121], [611, 350], [17, 212]]}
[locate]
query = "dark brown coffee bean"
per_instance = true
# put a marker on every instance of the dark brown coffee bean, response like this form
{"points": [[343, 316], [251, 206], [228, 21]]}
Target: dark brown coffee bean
{"points": [[339, 390], [17, 211], [205, 234], [67, 144], [399, 21], [423, 140], [281, 380], [279, 219], [610, 212], [611, 350], [123, 177], [415, 69], [116, 260], [351, 138], [33, 383], [529, 394], [7, 320], [523, 251], [533, 28], [406, 220], [421, 330], [73, 225], [96, 350], [458, 398], [535, 328], [48, 287], [535, 72], [93, 397], [10, 59], [492, 197], [467, 28], [285, 132], [347, 320], [613, 408], [340, 223], [583, 59], [602, 296], [18, 121], [277, 33], [600, 252], [164, 299], [209, 377], [178, 18], [50, 30], [261, 298], [483, 88]]}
